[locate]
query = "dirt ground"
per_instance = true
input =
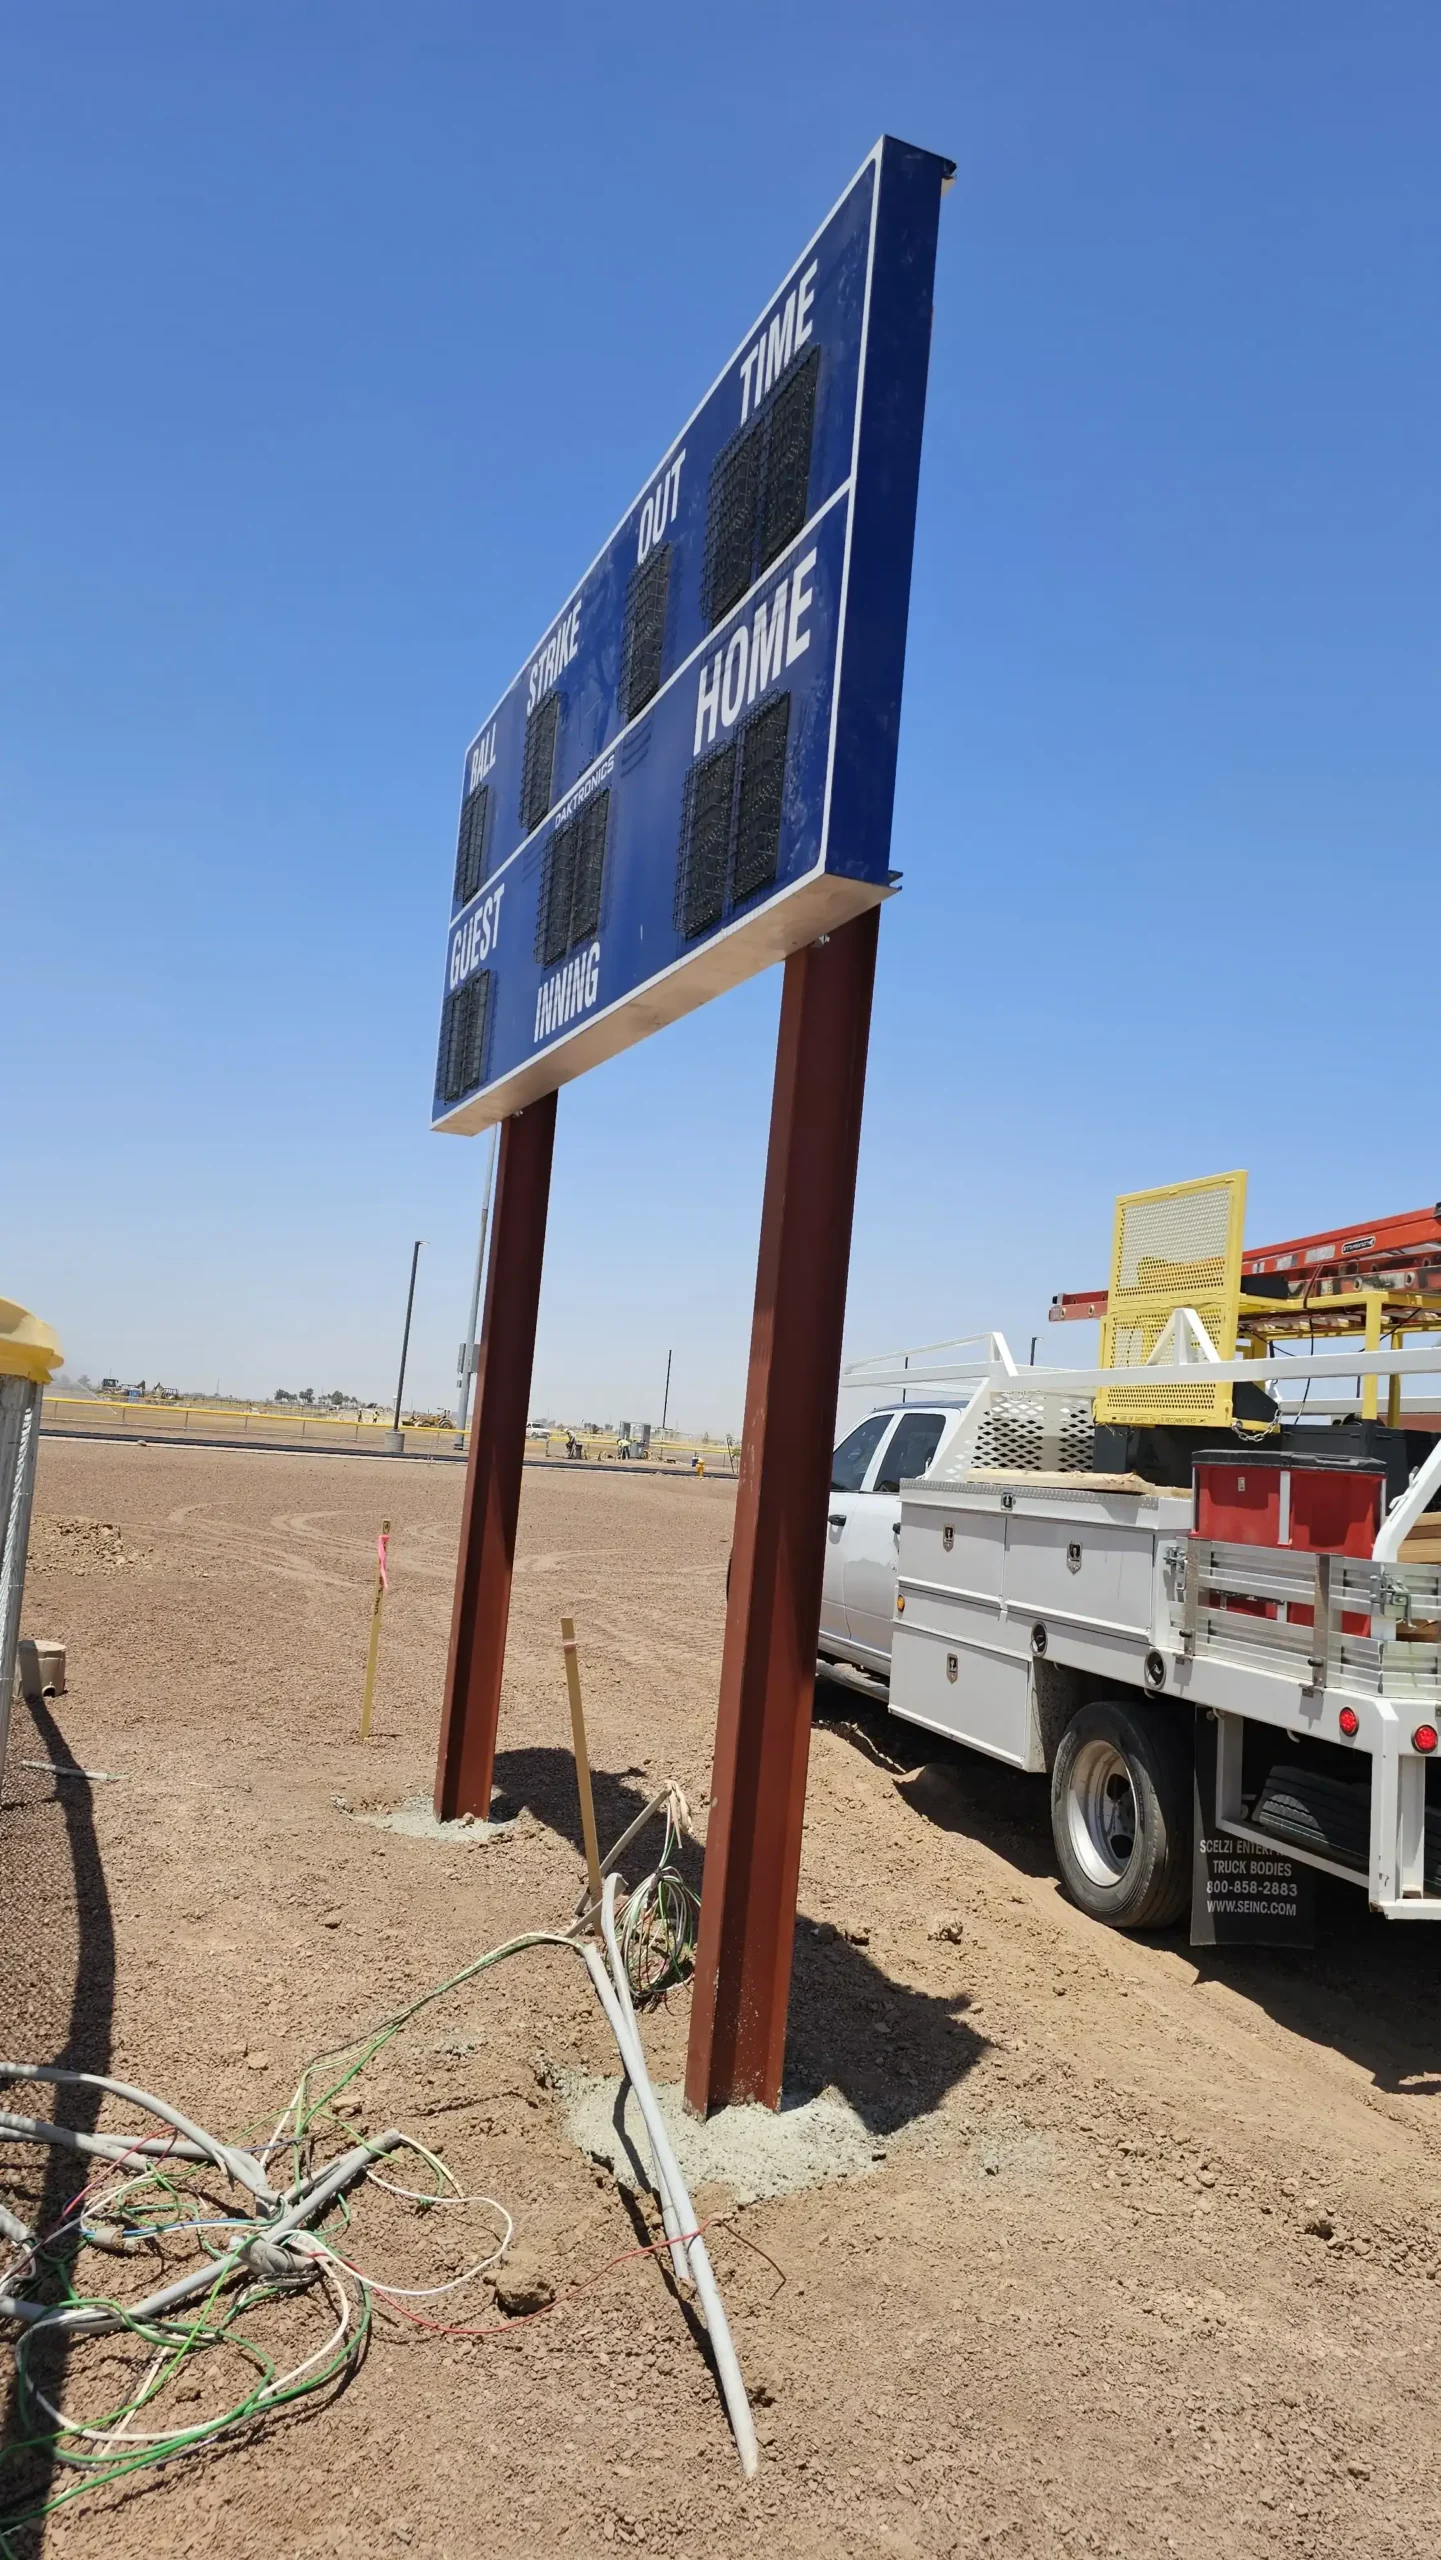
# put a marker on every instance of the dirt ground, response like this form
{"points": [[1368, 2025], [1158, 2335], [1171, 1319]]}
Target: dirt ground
{"points": [[1145, 2259]]}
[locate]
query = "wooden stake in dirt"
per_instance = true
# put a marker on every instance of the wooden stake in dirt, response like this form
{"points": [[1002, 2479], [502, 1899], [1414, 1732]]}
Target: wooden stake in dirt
{"points": [[582, 1760], [382, 1585]]}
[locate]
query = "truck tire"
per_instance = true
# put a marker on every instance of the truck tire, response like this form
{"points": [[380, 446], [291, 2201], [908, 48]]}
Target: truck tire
{"points": [[1121, 1814]]}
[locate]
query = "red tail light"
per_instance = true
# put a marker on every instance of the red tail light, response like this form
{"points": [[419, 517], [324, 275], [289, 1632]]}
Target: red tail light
{"points": [[1350, 1722], [1425, 1738]]}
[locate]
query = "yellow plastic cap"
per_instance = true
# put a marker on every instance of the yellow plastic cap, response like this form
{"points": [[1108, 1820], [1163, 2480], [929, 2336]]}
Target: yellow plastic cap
{"points": [[28, 1348]]}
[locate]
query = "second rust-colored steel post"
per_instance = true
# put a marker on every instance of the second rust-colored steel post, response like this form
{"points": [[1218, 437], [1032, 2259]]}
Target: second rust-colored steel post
{"points": [[481, 1611], [753, 1839]]}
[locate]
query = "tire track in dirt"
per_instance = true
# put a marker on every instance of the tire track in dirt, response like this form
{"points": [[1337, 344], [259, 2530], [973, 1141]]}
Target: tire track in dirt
{"points": [[246, 1547]]}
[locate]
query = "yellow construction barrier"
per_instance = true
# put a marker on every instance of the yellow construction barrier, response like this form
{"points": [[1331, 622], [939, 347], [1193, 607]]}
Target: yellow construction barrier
{"points": [[145, 1418]]}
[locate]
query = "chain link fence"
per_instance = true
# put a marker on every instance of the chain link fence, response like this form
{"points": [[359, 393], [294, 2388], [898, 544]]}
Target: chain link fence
{"points": [[19, 1442]]}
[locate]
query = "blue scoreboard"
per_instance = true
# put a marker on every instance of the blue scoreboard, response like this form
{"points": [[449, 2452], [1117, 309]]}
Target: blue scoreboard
{"points": [[692, 774]]}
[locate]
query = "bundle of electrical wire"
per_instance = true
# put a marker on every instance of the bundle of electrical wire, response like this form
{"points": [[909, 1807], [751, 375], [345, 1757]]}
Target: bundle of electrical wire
{"points": [[260, 2224], [252, 2225], [659, 1919]]}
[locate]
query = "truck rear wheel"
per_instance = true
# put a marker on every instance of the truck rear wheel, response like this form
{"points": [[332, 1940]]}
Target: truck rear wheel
{"points": [[1121, 1815]]}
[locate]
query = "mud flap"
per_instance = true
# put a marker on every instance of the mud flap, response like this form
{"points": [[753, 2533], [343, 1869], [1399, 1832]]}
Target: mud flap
{"points": [[1242, 1895]]}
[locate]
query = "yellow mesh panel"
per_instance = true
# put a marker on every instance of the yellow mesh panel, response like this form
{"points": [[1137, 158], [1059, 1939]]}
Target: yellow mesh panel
{"points": [[1177, 1247]]}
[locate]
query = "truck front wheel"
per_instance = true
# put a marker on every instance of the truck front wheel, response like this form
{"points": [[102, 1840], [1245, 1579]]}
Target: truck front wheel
{"points": [[1121, 1815]]}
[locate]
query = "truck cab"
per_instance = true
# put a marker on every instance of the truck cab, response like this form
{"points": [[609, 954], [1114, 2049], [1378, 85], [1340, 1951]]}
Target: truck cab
{"points": [[893, 1446]]}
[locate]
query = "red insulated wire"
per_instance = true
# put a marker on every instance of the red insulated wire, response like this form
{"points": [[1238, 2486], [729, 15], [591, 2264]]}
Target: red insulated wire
{"points": [[492, 2328]]}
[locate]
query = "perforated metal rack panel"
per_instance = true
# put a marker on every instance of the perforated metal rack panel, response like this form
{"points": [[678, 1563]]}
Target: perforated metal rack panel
{"points": [[645, 608], [462, 1036], [570, 892], [761, 799], [1179, 1246], [470, 845], [705, 842], [1034, 1432], [1078, 1439], [537, 780]]}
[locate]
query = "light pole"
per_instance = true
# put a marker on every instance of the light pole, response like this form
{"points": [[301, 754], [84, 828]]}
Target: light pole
{"points": [[665, 1407], [395, 1437], [467, 1348]]}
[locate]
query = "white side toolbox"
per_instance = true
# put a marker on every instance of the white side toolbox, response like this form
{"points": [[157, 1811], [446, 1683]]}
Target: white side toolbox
{"points": [[996, 1568]]}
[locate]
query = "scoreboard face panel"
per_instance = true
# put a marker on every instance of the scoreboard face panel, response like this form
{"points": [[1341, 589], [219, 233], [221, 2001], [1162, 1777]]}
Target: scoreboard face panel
{"points": [[692, 774]]}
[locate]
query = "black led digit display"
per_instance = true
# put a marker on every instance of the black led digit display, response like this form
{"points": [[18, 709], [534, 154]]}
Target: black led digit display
{"points": [[537, 779], [758, 490], [592, 824], [462, 1036], [730, 540], [705, 842], [790, 425], [645, 606], [571, 887], [760, 800], [731, 820], [470, 846]]}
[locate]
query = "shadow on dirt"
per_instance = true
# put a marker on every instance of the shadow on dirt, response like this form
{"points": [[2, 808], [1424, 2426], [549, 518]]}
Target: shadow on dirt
{"points": [[956, 1789], [57, 2001], [1369, 1988], [893, 2052]]}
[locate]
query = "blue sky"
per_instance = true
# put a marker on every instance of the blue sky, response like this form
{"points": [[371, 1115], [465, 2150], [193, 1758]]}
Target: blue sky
{"points": [[338, 338]]}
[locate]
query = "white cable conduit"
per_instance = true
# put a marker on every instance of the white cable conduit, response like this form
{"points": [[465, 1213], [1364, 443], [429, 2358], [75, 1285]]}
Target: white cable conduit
{"points": [[615, 2000], [102, 2146], [281, 2218], [676, 2220], [14, 2230], [241, 2166]]}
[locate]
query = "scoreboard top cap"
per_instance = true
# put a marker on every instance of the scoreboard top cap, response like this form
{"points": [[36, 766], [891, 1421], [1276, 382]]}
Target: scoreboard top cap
{"points": [[692, 773]]}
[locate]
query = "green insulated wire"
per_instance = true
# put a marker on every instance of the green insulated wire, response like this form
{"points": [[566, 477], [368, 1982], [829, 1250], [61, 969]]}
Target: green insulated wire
{"points": [[154, 2197], [657, 1930]]}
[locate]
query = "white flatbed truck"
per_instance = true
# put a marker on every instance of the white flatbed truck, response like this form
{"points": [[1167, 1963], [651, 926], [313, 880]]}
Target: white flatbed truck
{"points": [[1073, 1622]]}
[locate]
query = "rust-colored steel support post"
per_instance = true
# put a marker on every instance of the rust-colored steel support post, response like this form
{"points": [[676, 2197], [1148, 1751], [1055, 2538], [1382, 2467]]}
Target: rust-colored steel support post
{"points": [[481, 1612], [753, 1842]]}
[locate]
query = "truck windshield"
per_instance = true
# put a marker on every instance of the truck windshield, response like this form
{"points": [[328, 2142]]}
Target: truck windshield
{"points": [[911, 1451], [856, 1452]]}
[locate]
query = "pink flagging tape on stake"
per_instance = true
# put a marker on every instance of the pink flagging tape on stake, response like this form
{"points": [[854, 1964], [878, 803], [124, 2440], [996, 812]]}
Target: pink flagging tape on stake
{"points": [[382, 1545]]}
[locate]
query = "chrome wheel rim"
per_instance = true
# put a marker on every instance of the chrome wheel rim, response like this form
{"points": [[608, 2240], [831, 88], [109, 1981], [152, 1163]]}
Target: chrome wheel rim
{"points": [[1102, 1820]]}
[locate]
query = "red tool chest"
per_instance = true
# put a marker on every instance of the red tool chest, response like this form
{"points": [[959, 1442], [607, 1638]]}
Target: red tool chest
{"points": [[1320, 1506]]}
